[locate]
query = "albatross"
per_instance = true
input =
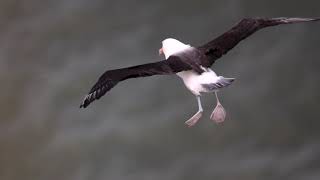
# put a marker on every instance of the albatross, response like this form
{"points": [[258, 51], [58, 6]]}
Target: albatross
{"points": [[192, 64]]}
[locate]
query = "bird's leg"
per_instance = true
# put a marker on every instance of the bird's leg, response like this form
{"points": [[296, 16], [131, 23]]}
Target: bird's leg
{"points": [[194, 119], [219, 114]]}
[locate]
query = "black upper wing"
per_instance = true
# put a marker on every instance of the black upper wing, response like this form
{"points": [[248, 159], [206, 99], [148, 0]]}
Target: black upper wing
{"points": [[221, 45], [110, 78]]}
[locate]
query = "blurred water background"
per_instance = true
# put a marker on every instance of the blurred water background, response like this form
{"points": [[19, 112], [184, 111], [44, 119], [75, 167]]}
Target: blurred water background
{"points": [[52, 51]]}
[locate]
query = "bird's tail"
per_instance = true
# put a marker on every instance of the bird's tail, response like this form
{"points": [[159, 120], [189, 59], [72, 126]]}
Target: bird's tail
{"points": [[226, 81], [221, 83]]}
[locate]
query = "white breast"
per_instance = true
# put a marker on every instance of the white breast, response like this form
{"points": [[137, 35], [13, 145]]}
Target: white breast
{"points": [[194, 81]]}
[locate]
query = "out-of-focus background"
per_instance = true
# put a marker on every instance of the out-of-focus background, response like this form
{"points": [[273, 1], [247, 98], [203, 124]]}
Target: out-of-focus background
{"points": [[53, 51]]}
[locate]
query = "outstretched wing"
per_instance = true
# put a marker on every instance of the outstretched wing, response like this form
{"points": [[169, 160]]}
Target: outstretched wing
{"points": [[110, 78], [221, 45]]}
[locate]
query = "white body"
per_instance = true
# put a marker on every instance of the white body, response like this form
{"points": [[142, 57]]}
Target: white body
{"points": [[192, 80]]}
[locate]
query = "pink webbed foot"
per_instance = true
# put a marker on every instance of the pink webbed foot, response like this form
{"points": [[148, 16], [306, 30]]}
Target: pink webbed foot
{"points": [[219, 114], [194, 119]]}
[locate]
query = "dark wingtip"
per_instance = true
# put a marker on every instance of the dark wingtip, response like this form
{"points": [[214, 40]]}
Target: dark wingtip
{"points": [[93, 95], [103, 85], [86, 101], [316, 19], [296, 19], [83, 104]]}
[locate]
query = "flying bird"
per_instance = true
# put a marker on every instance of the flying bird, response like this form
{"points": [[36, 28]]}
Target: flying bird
{"points": [[191, 64]]}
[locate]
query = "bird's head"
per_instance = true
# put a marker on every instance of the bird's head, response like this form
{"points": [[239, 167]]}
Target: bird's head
{"points": [[171, 46]]}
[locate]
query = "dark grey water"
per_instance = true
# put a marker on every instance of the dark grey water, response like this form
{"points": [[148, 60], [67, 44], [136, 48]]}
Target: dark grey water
{"points": [[52, 51]]}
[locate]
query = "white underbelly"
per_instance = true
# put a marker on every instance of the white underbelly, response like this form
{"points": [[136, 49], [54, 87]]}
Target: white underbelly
{"points": [[193, 81]]}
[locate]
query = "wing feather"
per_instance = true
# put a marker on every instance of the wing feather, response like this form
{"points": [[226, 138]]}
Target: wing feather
{"points": [[246, 27], [111, 78]]}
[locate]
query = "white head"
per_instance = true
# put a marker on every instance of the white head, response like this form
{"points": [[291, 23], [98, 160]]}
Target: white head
{"points": [[171, 46]]}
